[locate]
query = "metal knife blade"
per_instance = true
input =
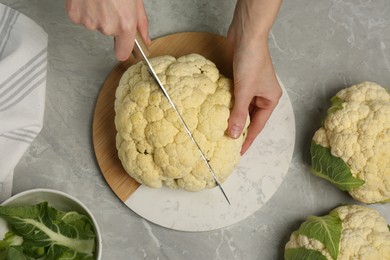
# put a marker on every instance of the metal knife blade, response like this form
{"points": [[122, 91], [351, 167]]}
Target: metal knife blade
{"points": [[140, 52]]}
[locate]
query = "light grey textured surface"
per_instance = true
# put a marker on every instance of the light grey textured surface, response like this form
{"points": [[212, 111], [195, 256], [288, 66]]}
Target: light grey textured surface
{"points": [[317, 46]]}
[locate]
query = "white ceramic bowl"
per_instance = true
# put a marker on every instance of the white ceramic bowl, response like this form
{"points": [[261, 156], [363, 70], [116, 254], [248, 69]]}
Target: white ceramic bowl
{"points": [[60, 201]]}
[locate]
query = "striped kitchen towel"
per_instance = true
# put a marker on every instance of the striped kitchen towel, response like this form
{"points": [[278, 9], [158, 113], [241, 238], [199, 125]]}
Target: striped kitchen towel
{"points": [[23, 51]]}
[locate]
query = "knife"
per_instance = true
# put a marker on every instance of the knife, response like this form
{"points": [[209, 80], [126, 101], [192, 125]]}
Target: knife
{"points": [[141, 52]]}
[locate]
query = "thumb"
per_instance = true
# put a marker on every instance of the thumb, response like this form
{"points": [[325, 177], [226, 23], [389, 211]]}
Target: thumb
{"points": [[238, 114], [123, 45]]}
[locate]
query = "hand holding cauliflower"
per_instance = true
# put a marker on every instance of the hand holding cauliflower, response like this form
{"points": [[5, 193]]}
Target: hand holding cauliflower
{"points": [[352, 148], [152, 144]]}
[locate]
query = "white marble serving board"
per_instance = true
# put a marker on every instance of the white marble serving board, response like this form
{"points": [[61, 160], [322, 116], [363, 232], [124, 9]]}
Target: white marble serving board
{"points": [[254, 181]]}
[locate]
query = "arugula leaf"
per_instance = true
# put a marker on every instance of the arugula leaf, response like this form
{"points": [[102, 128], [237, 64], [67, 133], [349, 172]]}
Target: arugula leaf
{"points": [[326, 229], [302, 254], [332, 168], [49, 232]]}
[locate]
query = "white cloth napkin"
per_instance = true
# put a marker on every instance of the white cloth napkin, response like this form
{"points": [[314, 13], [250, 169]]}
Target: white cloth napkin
{"points": [[23, 52]]}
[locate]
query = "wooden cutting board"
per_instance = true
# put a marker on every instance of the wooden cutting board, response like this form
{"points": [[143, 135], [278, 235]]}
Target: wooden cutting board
{"points": [[213, 47]]}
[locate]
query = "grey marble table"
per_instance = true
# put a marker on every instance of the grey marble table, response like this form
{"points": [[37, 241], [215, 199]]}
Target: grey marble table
{"points": [[318, 47]]}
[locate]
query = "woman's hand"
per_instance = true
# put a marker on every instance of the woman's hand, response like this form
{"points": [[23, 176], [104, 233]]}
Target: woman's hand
{"points": [[256, 88], [118, 18]]}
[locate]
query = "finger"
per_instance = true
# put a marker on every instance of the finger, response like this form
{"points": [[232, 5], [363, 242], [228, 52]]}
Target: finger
{"points": [[143, 22], [239, 113], [73, 12], [67, 5], [258, 121], [123, 45], [237, 119]]}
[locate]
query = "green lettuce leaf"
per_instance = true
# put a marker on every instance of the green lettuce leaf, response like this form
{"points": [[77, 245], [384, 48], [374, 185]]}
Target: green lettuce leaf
{"points": [[16, 253], [7, 245], [50, 233], [332, 168], [326, 229], [301, 253], [10, 239]]}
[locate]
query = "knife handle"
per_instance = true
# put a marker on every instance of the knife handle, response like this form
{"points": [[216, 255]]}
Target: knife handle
{"points": [[136, 51]]}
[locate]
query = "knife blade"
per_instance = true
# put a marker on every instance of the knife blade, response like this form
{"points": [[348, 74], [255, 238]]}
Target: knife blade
{"points": [[141, 52]]}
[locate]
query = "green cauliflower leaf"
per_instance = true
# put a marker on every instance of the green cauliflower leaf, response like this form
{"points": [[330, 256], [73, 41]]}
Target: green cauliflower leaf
{"points": [[332, 168], [336, 103], [326, 229]]}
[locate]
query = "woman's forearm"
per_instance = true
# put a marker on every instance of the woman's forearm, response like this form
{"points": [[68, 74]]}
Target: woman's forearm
{"points": [[255, 19]]}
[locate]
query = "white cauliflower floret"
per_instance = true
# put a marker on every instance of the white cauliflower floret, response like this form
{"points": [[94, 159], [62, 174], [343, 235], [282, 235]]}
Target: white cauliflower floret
{"points": [[152, 143], [349, 232], [357, 130], [365, 234]]}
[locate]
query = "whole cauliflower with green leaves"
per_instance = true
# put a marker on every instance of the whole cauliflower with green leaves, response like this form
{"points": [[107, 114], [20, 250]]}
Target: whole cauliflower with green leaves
{"points": [[347, 232], [352, 148], [152, 144]]}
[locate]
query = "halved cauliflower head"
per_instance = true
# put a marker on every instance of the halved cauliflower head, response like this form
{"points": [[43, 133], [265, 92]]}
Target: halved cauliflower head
{"points": [[352, 148], [347, 232], [152, 144]]}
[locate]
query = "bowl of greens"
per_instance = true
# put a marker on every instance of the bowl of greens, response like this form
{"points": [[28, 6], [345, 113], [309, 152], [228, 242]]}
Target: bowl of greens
{"points": [[48, 224]]}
